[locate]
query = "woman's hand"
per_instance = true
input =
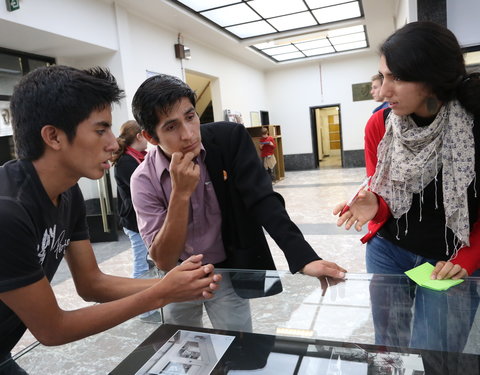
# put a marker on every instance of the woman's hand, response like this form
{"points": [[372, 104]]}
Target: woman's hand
{"points": [[448, 270], [361, 211]]}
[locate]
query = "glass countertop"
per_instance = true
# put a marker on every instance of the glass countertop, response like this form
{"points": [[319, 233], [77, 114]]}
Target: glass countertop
{"points": [[364, 311]]}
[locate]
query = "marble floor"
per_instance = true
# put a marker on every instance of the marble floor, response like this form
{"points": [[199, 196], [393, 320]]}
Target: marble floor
{"points": [[309, 196], [334, 160]]}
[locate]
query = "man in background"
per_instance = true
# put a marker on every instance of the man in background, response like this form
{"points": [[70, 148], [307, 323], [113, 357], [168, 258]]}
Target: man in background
{"points": [[375, 92]]}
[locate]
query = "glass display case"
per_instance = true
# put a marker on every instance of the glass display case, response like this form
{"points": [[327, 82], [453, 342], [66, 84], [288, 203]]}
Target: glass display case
{"points": [[365, 324]]}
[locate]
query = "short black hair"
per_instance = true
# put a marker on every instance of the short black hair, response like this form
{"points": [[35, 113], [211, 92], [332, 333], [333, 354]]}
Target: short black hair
{"points": [[156, 96], [61, 96]]}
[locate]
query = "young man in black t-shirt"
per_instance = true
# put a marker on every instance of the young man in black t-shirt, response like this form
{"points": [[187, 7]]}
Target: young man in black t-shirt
{"points": [[62, 119]]}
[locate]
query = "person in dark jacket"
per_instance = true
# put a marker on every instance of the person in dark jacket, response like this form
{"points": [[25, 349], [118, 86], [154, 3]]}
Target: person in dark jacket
{"points": [[131, 152], [204, 189]]}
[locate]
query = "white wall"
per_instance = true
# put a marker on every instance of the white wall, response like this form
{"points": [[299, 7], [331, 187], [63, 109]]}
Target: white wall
{"points": [[292, 91], [151, 48], [464, 24], [406, 11], [87, 20]]}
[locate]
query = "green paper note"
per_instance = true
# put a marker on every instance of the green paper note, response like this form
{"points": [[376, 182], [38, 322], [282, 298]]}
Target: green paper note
{"points": [[421, 275]]}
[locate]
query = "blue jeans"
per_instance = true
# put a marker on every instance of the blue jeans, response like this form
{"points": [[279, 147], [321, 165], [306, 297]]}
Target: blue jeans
{"points": [[436, 325], [226, 310], [383, 257], [140, 252]]}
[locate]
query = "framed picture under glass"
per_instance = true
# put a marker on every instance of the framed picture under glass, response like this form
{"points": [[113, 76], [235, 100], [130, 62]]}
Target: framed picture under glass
{"points": [[361, 91], [255, 118]]}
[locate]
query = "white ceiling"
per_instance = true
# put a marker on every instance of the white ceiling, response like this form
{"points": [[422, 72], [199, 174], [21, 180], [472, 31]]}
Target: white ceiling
{"points": [[379, 21], [270, 19]]}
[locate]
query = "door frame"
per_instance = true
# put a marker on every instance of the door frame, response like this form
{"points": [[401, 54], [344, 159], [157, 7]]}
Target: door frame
{"points": [[313, 128]]}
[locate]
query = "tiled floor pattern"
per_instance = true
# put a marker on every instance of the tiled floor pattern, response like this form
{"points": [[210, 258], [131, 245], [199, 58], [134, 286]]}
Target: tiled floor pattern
{"points": [[334, 160]]}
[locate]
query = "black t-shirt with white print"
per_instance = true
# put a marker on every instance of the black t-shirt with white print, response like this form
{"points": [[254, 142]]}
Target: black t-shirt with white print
{"points": [[34, 234]]}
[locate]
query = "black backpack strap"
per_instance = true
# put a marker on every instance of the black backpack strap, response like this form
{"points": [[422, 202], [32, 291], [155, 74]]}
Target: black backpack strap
{"points": [[386, 111]]}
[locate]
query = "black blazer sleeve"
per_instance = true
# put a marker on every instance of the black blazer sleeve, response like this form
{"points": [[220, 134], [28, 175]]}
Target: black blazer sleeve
{"points": [[124, 169], [251, 187]]}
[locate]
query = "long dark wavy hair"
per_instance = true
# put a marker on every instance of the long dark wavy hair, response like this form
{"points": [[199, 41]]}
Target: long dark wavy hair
{"points": [[430, 53]]}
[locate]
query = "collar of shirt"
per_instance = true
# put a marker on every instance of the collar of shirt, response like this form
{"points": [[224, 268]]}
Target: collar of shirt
{"points": [[204, 223]]}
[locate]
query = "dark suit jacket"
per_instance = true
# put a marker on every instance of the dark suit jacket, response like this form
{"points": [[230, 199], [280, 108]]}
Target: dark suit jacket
{"points": [[248, 202], [124, 168]]}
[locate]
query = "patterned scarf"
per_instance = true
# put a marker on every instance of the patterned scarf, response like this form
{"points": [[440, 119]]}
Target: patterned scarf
{"points": [[410, 157]]}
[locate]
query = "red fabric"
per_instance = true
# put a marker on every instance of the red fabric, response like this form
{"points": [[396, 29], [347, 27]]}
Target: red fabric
{"points": [[137, 155], [467, 257], [374, 225], [267, 149], [374, 131]]}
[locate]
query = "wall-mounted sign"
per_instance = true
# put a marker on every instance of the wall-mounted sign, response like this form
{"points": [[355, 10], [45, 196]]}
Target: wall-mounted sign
{"points": [[12, 5], [361, 91]]}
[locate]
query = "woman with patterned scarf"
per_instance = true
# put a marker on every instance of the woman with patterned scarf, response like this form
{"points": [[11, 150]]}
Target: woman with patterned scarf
{"points": [[424, 158]]}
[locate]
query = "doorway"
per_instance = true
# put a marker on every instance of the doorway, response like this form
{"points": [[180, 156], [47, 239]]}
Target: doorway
{"points": [[207, 89], [327, 136], [264, 118]]}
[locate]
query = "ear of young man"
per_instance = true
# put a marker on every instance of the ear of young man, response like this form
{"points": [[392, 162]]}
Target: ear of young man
{"points": [[53, 137], [150, 138]]}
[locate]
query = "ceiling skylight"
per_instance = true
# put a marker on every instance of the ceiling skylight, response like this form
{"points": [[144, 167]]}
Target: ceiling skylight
{"points": [[250, 30], [241, 13], [339, 12], [315, 44], [290, 28]]}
